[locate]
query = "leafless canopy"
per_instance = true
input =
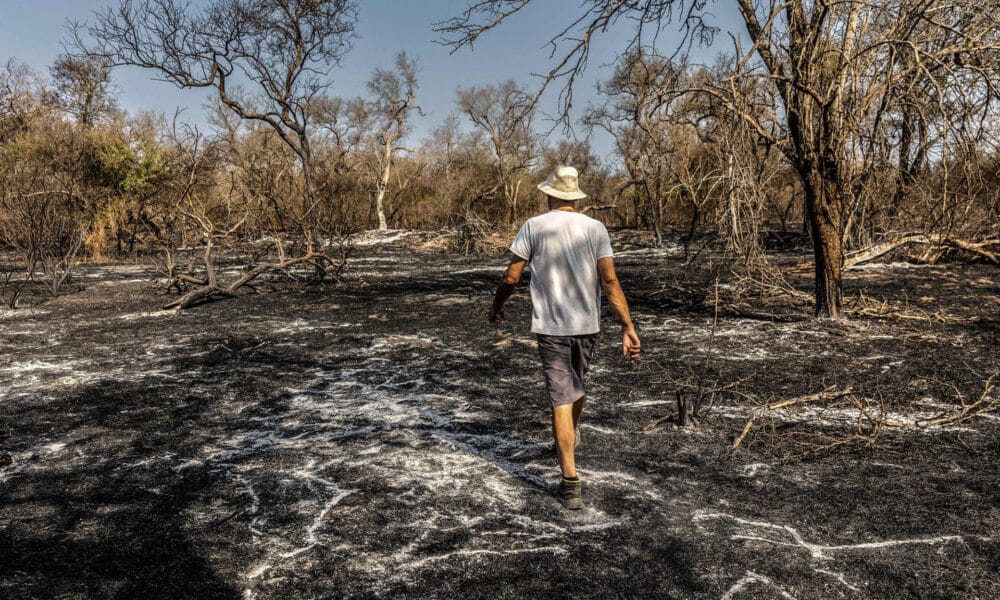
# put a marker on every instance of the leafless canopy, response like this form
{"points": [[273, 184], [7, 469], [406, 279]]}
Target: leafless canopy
{"points": [[283, 49], [504, 112], [854, 83], [268, 61], [570, 46]]}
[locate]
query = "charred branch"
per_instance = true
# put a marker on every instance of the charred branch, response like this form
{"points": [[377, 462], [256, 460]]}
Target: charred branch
{"points": [[214, 290]]}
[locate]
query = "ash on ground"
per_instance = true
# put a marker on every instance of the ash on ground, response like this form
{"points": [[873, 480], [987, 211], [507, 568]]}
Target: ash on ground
{"points": [[377, 438]]}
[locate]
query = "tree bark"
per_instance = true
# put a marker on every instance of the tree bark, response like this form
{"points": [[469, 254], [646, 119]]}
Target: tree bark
{"points": [[823, 215], [380, 209], [383, 182]]}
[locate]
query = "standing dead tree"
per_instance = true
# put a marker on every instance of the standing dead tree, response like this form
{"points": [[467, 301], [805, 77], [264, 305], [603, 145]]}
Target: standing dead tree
{"points": [[636, 113], [283, 48], [840, 72], [665, 139], [393, 99], [504, 113]]}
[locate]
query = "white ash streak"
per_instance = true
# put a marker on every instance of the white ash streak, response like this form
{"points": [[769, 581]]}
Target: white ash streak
{"points": [[749, 578], [603, 430], [839, 577], [146, 461], [312, 537], [148, 314], [42, 366], [23, 312], [753, 469], [522, 535], [828, 416], [789, 536], [890, 266], [668, 249], [26, 461], [498, 269], [438, 557], [377, 237], [238, 447]]}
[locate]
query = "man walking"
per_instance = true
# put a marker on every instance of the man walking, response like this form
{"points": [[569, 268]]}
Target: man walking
{"points": [[571, 259]]}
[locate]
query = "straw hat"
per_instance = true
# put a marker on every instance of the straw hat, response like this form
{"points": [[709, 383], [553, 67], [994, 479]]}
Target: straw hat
{"points": [[563, 183]]}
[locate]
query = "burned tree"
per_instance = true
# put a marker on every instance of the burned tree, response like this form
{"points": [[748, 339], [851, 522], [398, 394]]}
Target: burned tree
{"points": [[504, 113], [633, 115], [283, 48], [838, 69], [664, 137], [393, 99], [841, 71], [47, 198]]}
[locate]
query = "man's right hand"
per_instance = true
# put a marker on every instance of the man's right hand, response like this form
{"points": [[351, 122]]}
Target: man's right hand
{"points": [[630, 343], [506, 288]]}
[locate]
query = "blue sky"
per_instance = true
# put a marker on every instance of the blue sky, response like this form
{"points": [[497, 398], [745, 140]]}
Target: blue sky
{"points": [[31, 31]]}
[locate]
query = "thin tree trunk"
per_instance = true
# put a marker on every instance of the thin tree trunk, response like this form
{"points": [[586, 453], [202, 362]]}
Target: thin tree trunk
{"points": [[380, 209], [383, 184], [823, 217]]}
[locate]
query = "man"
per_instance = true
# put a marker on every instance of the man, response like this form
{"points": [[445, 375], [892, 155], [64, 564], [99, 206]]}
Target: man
{"points": [[571, 258]]}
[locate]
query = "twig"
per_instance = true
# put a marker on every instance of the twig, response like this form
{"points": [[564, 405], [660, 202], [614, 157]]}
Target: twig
{"points": [[828, 394]]}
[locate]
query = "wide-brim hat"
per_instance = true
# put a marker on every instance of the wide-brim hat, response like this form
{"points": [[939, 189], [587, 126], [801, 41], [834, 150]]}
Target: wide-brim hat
{"points": [[563, 183]]}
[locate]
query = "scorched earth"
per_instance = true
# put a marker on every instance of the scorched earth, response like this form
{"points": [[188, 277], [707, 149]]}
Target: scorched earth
{"points": [[378, 438]]}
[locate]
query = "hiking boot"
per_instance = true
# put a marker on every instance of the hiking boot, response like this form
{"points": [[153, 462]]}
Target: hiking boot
{"points": [[578, 440], [570, 493]]}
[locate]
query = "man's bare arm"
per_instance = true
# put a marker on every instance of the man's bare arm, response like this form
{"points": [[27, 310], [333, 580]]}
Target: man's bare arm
{"points": [[616, 297], [506, 287]]}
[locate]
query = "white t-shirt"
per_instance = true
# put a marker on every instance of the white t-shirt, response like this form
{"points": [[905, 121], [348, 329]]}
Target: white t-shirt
{"points": [[562, 249]]}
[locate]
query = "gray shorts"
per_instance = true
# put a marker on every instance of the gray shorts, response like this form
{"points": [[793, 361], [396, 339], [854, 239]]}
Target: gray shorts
{"points": [[565, 361]]}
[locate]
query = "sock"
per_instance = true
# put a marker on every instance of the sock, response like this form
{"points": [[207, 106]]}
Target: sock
{"points": [[573, 479]]}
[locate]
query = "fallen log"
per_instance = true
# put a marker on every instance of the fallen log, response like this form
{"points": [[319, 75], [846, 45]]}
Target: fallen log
{"points": [[213, 290], [978, 247]]}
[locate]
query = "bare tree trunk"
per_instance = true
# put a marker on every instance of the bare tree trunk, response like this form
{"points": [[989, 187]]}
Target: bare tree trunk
{"points": [[383, 184], [380, 209], [508, 196], [822, 213], [308, 222], [514, 195]]}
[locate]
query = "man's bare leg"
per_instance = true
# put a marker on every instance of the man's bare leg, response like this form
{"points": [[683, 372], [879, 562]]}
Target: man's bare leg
{"points": [[563, 430]]}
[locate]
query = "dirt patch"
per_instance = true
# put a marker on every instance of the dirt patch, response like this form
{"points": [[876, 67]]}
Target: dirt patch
{"points": [[377, 438]]}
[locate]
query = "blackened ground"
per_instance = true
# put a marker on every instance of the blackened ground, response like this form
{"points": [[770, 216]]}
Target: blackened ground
{"points": [[377, 438]]}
